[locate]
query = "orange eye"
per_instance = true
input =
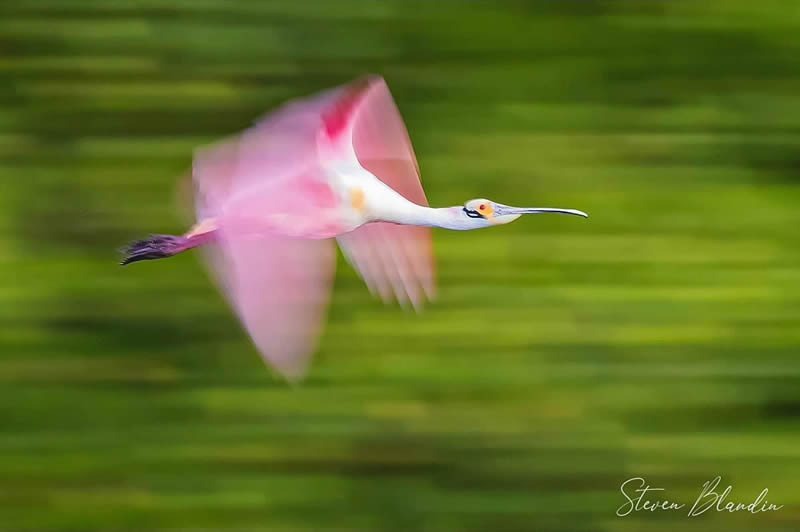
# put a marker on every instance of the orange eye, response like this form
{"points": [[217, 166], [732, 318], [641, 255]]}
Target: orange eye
{"points": [[482, 207]]}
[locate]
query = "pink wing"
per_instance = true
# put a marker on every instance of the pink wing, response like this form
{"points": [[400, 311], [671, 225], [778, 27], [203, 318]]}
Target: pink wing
{"points": [[392, 259], [278, 286]]}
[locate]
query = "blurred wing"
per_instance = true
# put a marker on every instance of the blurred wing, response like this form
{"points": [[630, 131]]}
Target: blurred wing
{"points": [[270, 158], [392, 259], [278, 286], [213, 170]]}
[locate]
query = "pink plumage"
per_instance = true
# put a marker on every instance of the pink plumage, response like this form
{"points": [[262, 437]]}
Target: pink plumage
{"points": [[268, 202], [391, 258], [274, 206]]}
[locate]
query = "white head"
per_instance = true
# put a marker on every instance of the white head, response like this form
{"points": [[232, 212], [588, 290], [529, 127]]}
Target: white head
{"points": [[485, 213]]}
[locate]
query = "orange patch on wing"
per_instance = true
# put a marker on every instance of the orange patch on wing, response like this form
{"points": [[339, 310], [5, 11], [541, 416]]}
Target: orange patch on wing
{"points": [[357, 199]]}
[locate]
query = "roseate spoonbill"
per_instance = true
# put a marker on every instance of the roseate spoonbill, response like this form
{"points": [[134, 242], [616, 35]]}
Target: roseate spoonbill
{"points": [[268, 202]]}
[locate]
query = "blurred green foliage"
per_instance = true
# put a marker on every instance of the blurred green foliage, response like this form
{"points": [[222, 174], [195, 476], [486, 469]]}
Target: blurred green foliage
{"points": [[659, 338]]}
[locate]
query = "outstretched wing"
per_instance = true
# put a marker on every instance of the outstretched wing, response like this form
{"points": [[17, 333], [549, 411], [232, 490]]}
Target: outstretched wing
{"points": [[392, 259], [278, 286]]}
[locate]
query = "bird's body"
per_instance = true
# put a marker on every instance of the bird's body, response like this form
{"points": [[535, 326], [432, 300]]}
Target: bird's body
{"points": [[268, 204]]}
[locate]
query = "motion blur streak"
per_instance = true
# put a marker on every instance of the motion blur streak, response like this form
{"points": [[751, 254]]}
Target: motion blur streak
{"points": [[560, 359]]}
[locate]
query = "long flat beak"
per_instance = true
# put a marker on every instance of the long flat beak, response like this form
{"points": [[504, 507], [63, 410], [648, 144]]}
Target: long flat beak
{"points": [[503, 210]]}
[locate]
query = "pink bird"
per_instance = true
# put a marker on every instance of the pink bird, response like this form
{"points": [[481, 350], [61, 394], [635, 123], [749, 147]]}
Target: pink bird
{"points": [[340, 165]]}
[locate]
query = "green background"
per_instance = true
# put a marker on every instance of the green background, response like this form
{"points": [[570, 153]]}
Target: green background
{"points": [[659, 338]]}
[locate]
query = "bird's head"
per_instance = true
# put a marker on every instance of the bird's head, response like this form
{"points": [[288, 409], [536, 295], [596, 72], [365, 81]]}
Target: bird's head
{"points": [[485, 212]]}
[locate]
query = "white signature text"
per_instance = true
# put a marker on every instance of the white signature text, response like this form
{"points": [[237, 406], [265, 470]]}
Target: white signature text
{"points": [[640, 496]]}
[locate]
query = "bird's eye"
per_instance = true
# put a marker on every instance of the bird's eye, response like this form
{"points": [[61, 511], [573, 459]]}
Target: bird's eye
{"points": [[482, 207]]}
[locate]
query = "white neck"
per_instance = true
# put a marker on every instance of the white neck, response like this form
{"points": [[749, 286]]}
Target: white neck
{"points": [[394, 208], [384, 204], [413, 214]]}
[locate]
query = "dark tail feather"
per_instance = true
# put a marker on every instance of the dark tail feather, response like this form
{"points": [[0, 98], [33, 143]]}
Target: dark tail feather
{"points": [[154, 247]]}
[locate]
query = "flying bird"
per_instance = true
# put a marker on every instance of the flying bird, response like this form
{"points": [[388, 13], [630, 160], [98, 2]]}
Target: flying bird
{"points": [[269, 202]]}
